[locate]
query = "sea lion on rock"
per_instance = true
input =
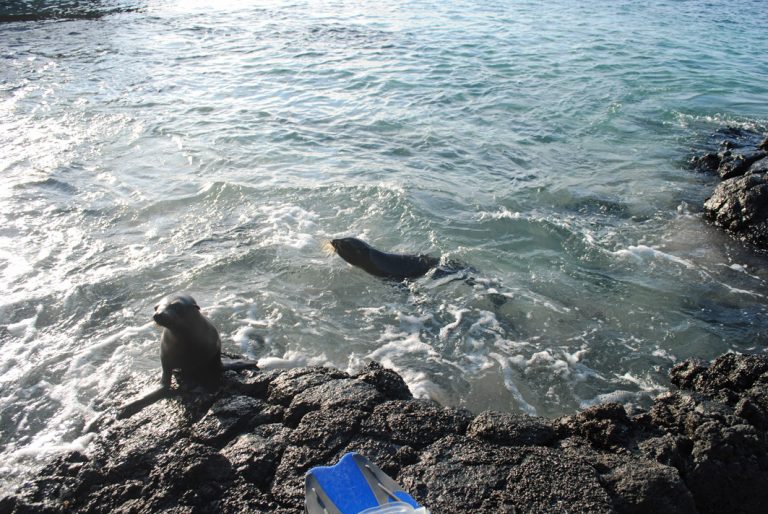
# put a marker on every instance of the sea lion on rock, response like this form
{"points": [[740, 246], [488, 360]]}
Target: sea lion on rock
{"points": [[391, 266], [190, 344]]}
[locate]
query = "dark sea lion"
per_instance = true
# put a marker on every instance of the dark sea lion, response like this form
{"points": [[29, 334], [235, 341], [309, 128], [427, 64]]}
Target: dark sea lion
{"points": [[382, 264], [399, 267], [190, 344]]}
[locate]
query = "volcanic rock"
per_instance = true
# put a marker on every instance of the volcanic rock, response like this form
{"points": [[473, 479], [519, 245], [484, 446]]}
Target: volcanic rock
{"points": [[700, 448]]}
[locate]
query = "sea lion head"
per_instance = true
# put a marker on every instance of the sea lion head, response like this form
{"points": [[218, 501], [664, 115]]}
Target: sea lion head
{"points": [[352, 250], [173, 312]]}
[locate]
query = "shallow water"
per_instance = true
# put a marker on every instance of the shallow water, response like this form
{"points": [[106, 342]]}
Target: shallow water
{"points": [[171, 145]]}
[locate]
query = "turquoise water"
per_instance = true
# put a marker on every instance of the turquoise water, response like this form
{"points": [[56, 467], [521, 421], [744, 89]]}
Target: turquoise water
{"points": [[175, 145]]}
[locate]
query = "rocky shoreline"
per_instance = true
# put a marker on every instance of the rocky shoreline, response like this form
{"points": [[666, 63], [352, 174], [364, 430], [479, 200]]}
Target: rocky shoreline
{"points": [[739, 203], [699, 448]]}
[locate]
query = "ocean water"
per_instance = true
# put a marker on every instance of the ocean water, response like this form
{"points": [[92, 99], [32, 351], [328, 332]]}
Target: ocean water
{"points": [[213, 147]]}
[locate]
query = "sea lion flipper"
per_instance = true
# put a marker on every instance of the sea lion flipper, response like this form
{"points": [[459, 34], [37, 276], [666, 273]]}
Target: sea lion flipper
{"points": [[135, 406], [166, 378]]}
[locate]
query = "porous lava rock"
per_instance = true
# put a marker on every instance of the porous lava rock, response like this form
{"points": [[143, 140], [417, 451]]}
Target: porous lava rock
{"points": [[739, 203], [699, 448]]}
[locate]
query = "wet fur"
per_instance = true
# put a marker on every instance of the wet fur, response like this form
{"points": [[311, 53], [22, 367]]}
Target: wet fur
{"points": [[382, 264], [190, 344]]}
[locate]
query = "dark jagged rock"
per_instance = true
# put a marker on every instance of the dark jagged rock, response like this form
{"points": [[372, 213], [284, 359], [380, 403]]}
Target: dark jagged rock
{"points": [[415, 423], [647, 486], [739, 204], [285, 386], [605, 426], [722, 454], [737, 164], [730, 372], [459, 474], [668, 449], [332, 395], [387, 381], [707, 162], [231, 416], [700, 448], [254, 457], [509, 429], [759, 166]]}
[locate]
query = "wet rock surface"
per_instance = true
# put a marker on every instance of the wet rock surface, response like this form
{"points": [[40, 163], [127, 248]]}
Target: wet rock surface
{"points": [[739, 203], [246, 448]]}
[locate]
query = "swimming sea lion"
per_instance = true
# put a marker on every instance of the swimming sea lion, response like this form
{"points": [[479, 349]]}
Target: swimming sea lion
{"points": [[190, 344], [381, 264]]}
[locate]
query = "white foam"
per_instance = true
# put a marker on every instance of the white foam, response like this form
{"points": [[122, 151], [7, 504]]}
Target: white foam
{"points": [[406, 346], [664, 354], [419, 384], [16, 266], [412, 323], [472, 363], [264, 317], [94, 351], [293, 359], [502, 213], [373, 311], [68, 404], [619, 396], [646, 385], [25, 329], [249, 339], [642, 253], [509, 383], [736, 290], [686, 120], [566, 365], [52, 444], [486, 323], [288, 226], [401, 343]]}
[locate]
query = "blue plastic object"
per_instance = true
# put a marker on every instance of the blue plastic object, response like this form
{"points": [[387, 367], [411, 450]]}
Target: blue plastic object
{"points": [[353, 485]]}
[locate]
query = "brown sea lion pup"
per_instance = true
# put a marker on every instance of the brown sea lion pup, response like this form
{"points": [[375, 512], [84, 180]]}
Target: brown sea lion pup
{"points": [[190, 344]]}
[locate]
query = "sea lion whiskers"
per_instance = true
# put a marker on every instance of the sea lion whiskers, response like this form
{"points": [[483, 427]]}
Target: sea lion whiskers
{"points": [[327, 247]]}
